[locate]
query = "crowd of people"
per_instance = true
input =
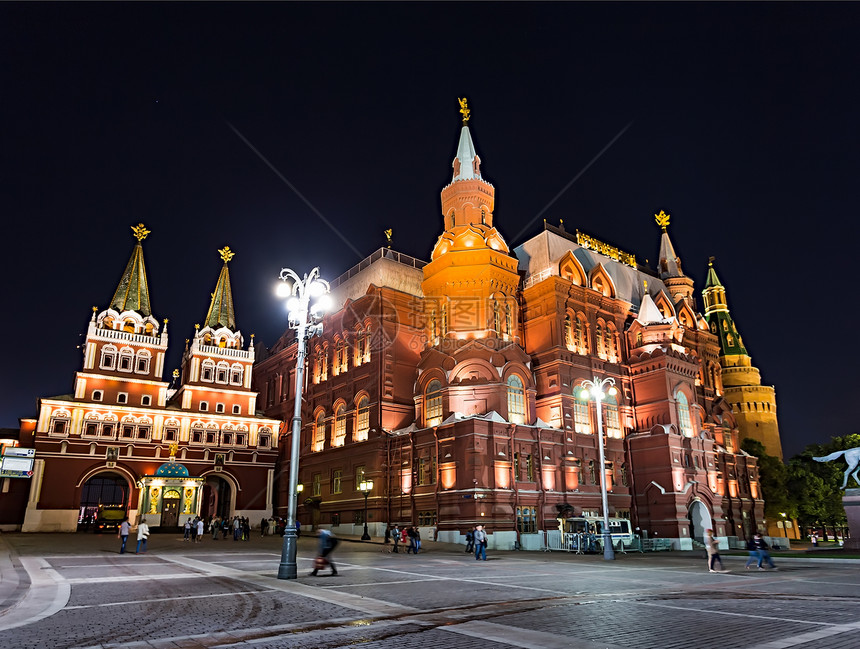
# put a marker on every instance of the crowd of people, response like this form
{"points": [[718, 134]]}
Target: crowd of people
{"points": [[409, 537]]}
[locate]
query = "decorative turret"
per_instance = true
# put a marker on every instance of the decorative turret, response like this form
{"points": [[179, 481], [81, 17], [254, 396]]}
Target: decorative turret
{"points": [[221, 310], [132, 294], [753, 404], [471, 280], [669, 266]]}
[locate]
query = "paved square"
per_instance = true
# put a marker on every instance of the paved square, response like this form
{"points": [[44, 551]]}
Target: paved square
{"points": [[76, 591]]}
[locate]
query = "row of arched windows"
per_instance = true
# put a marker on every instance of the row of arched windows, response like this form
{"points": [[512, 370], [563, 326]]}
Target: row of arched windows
{"points": [[125, 359], [360, 352], [516, 397], [336, 424], [221, 373], [582, 410], [576, 337]]}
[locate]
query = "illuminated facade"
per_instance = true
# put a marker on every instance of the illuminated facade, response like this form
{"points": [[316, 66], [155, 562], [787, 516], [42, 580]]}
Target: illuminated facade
{"points": [[126, 438], [453, 386]]}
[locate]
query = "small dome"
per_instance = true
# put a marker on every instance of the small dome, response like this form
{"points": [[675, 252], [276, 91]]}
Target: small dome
{"points": [[171, 470]]}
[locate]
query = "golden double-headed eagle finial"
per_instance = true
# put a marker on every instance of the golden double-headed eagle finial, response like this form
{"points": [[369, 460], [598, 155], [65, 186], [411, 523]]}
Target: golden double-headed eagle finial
{"points": [[140, 231], [173, 449], [226, 254], [662, 219], [464, 109], [388, 234]]}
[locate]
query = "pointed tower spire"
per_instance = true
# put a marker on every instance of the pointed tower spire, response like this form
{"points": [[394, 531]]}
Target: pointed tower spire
{"points": [[467, 164], [669, 266], [132, 294], [221, 310]]}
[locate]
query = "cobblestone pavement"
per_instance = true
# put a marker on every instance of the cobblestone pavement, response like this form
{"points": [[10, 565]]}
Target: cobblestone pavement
{"points": [[77, 591]]}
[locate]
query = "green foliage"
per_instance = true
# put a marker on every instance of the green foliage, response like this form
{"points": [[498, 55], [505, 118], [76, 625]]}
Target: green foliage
{"points": [[773, 478], [816, 486]]}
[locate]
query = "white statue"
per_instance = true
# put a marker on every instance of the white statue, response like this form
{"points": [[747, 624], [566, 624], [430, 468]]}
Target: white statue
{"points": [[852, 456]]}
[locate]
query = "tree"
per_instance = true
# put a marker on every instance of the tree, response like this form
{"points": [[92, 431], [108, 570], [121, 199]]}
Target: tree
{"points": [[773, 478]]}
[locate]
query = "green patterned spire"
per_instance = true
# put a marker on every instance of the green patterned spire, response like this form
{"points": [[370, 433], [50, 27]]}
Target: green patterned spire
{"points": [[221, 310], [718, 317], [132, 294]]}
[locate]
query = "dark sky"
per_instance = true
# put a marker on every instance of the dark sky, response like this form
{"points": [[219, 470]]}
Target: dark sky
{"points": [[744, 123]]}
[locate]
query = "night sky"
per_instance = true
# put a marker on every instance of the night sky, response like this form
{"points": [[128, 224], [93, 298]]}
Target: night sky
{"points": [[743, 125]]}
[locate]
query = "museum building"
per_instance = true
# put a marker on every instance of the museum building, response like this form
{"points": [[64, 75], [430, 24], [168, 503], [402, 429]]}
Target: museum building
{"points": [[454, 387]]}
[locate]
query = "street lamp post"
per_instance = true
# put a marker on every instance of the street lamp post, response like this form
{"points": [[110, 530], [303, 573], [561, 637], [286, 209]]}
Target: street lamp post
{"points": [[365, 486], [304, 317], [598, 391]]}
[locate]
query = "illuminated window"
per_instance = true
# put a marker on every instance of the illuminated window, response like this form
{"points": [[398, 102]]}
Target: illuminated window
{"points": [[509, 320], [684, 422], [340, 358], [611, 421], [359, 476], [568, 332], [319, 432], [362, 346], [516, 400], [579, 340], [362, 420], [581, 416], [339, 432], [433, 402], [336, 481], [599, 342], [611, 344], [443, 308], [497, 318], [527, 520], [316, 482]]}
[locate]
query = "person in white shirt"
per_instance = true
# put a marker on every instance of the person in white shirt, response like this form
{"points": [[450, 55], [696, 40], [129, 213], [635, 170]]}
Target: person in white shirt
{"points": [[200, 530], [142, 535]]}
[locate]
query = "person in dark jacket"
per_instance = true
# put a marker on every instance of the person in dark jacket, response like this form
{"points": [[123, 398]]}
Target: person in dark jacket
{"points": [[763, 554], [327, 543]]}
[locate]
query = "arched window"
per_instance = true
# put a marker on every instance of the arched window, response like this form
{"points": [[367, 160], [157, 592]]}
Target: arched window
{"points": [[611, 343], [592, 476], [108, 359], [579, 336], [611, 422], [237, 373], [362, 349], [126, 359], [443, 308], [340, 360], [598, 340], [128, 326], [362, 420], [207, 372], [516, 400], [431, 325], [141, 365], [221, 373], [509, 320], [684, 422], [433, 402], [497, 318], [319, 432], [581, 415], [568, 332], [339, 434]]}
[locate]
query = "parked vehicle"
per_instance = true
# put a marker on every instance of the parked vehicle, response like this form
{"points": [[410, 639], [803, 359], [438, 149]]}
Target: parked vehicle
{"points": [[109, 518], [620, 529]]}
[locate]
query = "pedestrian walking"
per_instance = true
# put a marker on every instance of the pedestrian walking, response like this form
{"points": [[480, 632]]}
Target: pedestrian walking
{"points": [[763, 554], [264, 526], [194, 530], [187, 529], [480, 537], [417, 539], [327, 543], [470, 541], [753, 550], [200, 530], [142, 536], [215, 526], [814, 539], [395, 536], [124, 529], [713, 548], [298, 528], [237, 528], [410, 539], [387, 539]]}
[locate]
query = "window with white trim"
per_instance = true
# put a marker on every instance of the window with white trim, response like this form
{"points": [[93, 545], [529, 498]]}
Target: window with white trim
{"points": [[433, 402], [611, 420], [204, 406], [219, 407], [319, 432], [516, 400], [237, 372], [207, 372], [126, 359], [237, 409], [581, 416], [362, 420], [108, 358], [98, 395], [146, 400], [141, 363], [684, 422], [122, 397], [339, 432]]}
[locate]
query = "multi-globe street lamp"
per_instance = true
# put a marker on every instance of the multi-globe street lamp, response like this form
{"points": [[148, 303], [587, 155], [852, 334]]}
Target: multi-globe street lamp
{"points": [[597, 390], [365, 487], [307, 301]]}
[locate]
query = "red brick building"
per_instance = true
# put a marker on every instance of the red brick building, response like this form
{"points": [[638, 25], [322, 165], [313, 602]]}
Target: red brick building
{"points": [[453, 386], [126, 438]]}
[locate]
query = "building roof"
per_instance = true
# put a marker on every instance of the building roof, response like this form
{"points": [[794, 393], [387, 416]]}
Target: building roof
{"points": [[172, 470]]}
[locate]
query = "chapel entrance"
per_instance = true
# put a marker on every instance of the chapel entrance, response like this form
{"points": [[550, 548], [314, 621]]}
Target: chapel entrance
{"points": [[216, 498], [170, 508], [103, 491]]}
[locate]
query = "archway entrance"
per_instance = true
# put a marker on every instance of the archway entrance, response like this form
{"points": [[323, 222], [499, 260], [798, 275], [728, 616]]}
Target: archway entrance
{"points": [[217, 497], [700, 520], [103, 497]]}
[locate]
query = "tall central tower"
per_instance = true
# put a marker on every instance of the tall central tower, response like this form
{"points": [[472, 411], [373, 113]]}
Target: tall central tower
{"points": [[471, 280]]}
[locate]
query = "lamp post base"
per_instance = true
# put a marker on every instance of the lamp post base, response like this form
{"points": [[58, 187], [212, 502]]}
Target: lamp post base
{"points": [[366, 535], [608, 550], [287, 569]]}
